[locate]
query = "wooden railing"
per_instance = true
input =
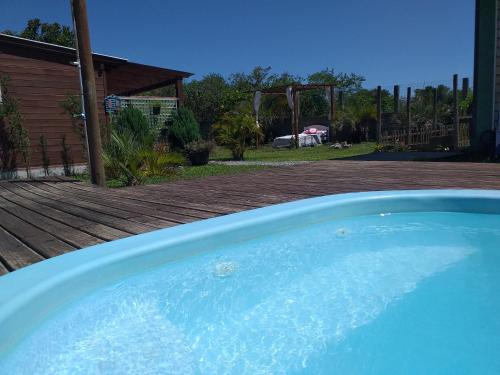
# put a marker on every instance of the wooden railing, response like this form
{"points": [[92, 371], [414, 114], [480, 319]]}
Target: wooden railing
{"points": [[427, 135]]}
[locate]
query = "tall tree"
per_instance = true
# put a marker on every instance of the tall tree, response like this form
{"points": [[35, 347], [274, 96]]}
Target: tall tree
{"points": [[209, 98], [54, 33], [315, 103]]}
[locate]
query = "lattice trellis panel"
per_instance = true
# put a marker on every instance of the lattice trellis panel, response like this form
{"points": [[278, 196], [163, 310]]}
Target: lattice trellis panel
{"points": [[158, 110]]}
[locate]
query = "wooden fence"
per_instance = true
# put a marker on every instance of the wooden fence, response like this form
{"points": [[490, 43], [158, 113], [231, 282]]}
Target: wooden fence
{"points": [[440, 135], [455, 135]]}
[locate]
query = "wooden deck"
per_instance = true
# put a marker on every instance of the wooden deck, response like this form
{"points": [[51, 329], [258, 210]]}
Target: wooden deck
{"points": [[43, 219]]}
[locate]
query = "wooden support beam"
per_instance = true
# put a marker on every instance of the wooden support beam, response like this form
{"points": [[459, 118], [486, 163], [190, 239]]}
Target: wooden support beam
{"points": [[434, 107], [379, 114], [396, 99], [179, 92], [89, 92], [456, 115], [332, 112], [408, 113], [296, 116]]}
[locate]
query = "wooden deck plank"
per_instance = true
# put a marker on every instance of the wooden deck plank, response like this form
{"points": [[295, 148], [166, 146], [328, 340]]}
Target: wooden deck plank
{"points": [[23, 198], [132, 203], [40, 219], [138, 213], [85, 210], [40, 241], [15, 254], [3, 269], [172, 203], [59, 230]]}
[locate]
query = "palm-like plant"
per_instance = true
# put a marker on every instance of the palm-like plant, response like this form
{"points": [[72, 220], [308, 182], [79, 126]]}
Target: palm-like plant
{"points": [[157, 163], [237, 131], [122, 157]]}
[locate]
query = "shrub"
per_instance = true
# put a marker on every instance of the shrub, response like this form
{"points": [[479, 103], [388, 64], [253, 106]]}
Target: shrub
{"points": [[345, 132], [66, 158], [237, 131], [122, 157], [131, 120], [184, 129], [126, 159], [14, 137], [158, 163]]}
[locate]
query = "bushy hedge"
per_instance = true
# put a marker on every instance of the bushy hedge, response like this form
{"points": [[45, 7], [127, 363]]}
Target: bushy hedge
{"points": [[184, 129]]}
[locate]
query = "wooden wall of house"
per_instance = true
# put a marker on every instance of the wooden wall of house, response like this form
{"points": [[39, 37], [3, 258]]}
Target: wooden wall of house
{"points": [[41, 86]]}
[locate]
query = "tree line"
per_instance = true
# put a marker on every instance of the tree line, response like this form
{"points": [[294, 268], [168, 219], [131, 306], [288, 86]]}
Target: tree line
{"points": [[214, 96]]}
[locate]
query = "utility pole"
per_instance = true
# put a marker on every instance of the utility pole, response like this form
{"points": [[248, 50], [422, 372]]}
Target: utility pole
{"points": [[79, 8]]}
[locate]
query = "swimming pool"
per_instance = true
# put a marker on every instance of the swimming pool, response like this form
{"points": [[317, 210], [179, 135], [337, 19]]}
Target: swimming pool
{"points": [[368, 283]]}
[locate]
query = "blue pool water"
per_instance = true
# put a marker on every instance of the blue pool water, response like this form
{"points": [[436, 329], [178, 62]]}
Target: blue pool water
{"points": [[405, 293]]}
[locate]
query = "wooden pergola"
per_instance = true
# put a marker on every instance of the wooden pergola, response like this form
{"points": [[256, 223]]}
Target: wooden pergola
{"points": [[293, 94]]}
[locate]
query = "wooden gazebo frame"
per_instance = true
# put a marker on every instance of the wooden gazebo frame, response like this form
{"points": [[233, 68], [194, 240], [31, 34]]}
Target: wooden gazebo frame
{"points": [[295, 93]]}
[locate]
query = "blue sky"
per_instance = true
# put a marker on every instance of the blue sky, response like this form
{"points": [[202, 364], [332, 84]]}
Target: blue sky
{"points": [[387, 41]]}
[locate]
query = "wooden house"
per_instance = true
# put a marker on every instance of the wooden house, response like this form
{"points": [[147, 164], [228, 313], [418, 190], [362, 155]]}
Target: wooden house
{"points": [[42, 76]]}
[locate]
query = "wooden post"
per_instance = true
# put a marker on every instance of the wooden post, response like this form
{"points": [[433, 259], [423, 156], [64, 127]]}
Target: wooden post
{"points": [[465, 87], [456, 118], [434, 107], [296, 115], [89, 92], [379, 114], [408, 113], [179, 92], [396, 99], [332, 112]]}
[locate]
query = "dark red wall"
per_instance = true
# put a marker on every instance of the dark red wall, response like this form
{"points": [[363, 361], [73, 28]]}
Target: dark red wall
{"points": [[41, 86]]}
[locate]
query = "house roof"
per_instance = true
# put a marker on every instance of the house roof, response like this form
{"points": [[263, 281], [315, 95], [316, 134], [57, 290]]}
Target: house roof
{"points": [[124, 77]]}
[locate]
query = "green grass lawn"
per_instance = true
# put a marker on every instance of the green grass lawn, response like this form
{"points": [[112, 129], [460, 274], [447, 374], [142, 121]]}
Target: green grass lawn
{"points": [[322, 152]]}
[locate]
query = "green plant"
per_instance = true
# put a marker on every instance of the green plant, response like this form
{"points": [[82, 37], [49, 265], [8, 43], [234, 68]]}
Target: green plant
{"points": [[396, 146], [132, 120], [46, 32], [72, 106], [128, 160], [157, 163], [237, 131], [122, 157], [45, 155], [184, 129], [14, 137], [465, 104], [66, 158]]}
